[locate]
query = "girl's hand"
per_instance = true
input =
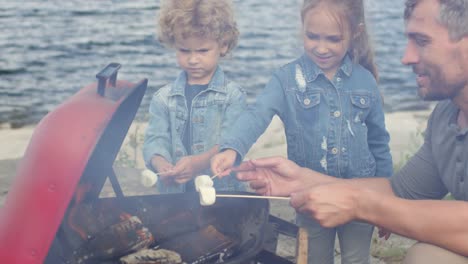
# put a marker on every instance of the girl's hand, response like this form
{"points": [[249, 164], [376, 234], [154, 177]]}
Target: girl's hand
{"points": [[221, 163]]}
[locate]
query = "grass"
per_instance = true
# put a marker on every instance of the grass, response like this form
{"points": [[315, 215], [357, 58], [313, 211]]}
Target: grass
{"points": [[128, 154]]}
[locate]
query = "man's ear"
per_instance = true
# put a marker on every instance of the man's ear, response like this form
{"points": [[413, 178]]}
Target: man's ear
{"points": [[464, 48]]}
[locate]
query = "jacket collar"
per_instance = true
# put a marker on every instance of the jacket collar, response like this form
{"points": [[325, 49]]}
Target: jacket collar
{"points": [[312, 71], [216, 84]]}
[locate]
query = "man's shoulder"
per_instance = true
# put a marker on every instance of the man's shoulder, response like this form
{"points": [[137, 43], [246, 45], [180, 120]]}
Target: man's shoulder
{"points": [[444, 109]]}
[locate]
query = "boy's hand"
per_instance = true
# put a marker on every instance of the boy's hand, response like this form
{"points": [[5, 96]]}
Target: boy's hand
{"points": [[186, 168], [163, 168], [221, 163]]}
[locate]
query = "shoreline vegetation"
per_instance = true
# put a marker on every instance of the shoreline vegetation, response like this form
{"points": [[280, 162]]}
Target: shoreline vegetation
{"points": [[405, 128]]}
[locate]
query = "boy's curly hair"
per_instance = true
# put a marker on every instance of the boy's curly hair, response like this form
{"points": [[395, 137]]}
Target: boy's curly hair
{"points": [[180, 19]]}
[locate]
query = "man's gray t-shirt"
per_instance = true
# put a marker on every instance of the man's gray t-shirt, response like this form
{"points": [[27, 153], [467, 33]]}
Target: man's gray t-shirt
{"points": [[441, 164]]}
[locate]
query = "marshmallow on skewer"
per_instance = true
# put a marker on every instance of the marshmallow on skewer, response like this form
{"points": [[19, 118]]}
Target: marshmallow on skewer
{"points": [[148, 178], [203, 181], [207, 195]]}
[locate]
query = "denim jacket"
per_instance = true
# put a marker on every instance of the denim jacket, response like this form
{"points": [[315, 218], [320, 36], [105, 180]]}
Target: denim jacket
{"points": [[213, 112], [334, 127]]}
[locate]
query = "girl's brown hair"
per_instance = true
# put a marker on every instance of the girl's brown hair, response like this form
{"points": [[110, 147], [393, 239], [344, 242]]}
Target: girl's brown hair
{"points": [[360, 49]]}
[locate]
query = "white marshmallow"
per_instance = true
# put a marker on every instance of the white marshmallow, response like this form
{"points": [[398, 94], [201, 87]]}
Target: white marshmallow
{"points": [[207, 196], [148, 178], [203, 181]]}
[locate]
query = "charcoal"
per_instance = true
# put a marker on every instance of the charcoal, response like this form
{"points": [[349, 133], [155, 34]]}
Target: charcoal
{"points": [[152, 256], [202, 245]]}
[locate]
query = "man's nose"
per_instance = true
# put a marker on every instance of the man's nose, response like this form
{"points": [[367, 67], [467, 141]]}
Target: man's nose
{"points": [[411, 55]]}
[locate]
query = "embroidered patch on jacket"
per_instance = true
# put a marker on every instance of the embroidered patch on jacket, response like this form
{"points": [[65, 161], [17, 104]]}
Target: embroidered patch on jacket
{"points": [[300, 79]]}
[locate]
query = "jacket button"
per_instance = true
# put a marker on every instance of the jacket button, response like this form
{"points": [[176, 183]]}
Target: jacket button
{"points": [[362, 101], [334, 151], [307, 101], [337, 114]]}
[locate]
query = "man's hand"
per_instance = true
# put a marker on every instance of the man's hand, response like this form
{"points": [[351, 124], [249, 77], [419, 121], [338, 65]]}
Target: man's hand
{"points": [[272, 176], [330, 204], [222, 162]]}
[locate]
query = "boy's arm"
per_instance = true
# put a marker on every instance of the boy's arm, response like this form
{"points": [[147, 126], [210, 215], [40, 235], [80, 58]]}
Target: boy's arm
{"points": [[157, 136], [202, 160], [190, 166], [235, 106]]}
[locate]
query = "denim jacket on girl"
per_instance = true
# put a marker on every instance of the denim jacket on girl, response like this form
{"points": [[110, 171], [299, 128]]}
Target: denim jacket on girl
{"points": [[213, 112], [334, 127]]}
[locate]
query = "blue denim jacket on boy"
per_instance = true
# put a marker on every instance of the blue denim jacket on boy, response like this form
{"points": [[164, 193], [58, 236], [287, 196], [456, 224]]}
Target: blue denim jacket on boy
{"points": [[214, 111], [334, 127]]}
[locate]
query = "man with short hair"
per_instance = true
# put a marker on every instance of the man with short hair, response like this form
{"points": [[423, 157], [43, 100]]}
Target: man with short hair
{"points": [[409, 203]]}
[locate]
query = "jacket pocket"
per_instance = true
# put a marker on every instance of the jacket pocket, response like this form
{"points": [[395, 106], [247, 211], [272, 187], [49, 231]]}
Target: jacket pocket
{"points": [[308, 99], [360, 100], [361, 103]]}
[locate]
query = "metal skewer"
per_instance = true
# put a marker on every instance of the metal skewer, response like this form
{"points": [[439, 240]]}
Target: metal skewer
{"points": [[162, 173], [252, 196], [214, 176]]}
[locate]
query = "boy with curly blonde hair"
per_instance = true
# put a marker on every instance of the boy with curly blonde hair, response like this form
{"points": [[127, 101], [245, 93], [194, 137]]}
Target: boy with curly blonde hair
{"points": [[190, 115]]}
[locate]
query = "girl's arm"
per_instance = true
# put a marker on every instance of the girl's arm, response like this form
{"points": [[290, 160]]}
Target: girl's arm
{"points": [[157, 136], [378, 137], [241, 134]]}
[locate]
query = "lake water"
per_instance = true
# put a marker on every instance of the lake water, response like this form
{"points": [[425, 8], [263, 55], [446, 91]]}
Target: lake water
{"points": [[50, 49]]}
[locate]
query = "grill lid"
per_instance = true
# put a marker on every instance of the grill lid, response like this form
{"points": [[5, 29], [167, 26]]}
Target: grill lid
{"points": [[78, 141]]}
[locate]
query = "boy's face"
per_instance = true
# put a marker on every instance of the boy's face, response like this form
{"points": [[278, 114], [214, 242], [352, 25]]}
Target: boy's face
{"points": [[198, 57], [439, 63], [325, 40]]}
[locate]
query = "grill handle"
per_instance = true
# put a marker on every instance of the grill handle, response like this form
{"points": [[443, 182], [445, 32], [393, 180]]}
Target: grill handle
{"points": [[108, 73]]}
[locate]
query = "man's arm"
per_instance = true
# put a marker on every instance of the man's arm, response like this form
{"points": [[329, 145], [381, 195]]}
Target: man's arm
{"points": [[333, 201], [441, 223], [280, 176]]}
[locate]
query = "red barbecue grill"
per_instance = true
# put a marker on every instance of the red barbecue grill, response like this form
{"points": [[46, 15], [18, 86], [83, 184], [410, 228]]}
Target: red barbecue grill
{"points": [[54, 213]]}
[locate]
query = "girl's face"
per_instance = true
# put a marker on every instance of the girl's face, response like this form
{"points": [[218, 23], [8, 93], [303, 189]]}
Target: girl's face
{"points": [[326, 41], [198, 57]]}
